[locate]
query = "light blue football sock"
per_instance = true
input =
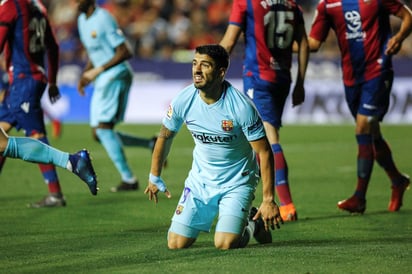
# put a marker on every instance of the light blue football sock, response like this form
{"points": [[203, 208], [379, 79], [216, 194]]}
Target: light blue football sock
{"points": [[130, 140], [113, 146], [32, 150]]}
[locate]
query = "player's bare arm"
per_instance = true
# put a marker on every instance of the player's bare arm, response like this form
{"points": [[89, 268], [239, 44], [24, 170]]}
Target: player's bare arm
{"points": [[159, 156], [395, 43], [314, 45], [230, 37], [268, 210], [83, 82], [298, 95], [122, 53]]}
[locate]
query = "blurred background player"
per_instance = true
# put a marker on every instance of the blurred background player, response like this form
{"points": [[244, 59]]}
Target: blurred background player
{"points": [[364, 36], [270, 29], [26, 37], [56, 124], [112, 75]]}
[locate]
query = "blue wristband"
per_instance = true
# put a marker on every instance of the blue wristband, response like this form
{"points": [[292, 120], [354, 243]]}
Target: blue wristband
{"points": [[158, 182]]}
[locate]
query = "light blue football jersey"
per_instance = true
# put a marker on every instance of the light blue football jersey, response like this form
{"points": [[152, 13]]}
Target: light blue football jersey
{"points": [[222, 155], [100, 36]]}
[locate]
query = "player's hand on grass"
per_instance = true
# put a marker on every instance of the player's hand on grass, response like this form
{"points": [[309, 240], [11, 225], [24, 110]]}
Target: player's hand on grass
{"points": [[155, 185], [270, 214], [54, 93]]}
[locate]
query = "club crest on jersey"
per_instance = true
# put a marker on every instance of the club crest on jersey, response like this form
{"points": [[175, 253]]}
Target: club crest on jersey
{"points": [[93, 34], [169, 112], [25, 107], [179, 209], [250, 93], [227, 125]]}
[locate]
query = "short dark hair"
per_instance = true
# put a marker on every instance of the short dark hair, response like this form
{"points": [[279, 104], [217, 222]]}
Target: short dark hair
{"points": [[217, 52]]}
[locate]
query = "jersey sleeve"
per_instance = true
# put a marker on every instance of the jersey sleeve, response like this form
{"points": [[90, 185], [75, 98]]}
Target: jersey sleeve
{"points": [[238, 13], [8, 14], [392, 6], [253, 128], [320, 26], [250, 121], [174, 119], [114, 34]]}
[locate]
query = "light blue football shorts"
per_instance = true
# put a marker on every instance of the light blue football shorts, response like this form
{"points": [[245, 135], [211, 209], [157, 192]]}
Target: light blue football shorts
{"points": [[200, 204], [109, 101]]}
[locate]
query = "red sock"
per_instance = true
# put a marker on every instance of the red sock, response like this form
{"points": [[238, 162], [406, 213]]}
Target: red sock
{"points": [[281, 176], [383, 156], [50, 177], [365, 161]]}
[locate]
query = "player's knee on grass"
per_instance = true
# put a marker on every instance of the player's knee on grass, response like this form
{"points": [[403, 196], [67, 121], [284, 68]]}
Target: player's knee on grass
{"points": [[225, 240], [229, 230], [181, 236], [176, 241]]}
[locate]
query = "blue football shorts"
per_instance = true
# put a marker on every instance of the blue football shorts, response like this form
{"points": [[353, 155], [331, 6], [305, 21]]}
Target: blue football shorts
{"points": [[21, 107], [268, 98], [370, 98], [200, 204]]}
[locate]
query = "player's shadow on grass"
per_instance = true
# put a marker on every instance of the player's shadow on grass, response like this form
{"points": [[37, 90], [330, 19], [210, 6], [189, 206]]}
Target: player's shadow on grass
{"points": [[294, 243], [343, 214]]}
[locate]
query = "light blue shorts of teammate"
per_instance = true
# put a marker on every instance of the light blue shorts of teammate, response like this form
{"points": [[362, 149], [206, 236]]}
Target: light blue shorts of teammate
{"points": [[199, 205], [109, 100], [370, 98]]}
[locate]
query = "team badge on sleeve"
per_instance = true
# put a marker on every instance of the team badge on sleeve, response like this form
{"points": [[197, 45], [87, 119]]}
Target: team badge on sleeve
{"points": [[227, 125], [169, 112]]}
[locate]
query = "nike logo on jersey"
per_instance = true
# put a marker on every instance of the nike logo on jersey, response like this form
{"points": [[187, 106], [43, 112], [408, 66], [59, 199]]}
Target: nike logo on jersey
{"points": [[190, 122], [25, 107]]}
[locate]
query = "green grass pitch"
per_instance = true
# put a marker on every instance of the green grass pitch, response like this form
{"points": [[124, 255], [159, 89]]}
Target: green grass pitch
{"points": [[125, 233]]}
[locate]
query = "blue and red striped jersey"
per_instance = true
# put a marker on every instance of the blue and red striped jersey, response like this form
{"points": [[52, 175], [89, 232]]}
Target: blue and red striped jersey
{"points": [[25, 38], [363, 29], [269, 29]]}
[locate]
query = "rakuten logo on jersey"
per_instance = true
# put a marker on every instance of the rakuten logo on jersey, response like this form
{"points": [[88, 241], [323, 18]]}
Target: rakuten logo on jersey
{"points": [[211, 139], [354, 25]]}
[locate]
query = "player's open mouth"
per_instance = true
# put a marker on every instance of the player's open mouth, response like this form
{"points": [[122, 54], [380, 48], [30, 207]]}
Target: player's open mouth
{"points": [[197, 78]]}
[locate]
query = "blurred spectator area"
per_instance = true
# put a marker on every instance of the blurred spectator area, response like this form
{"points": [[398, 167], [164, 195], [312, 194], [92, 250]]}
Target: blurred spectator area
{"points": [[168, 30]]}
